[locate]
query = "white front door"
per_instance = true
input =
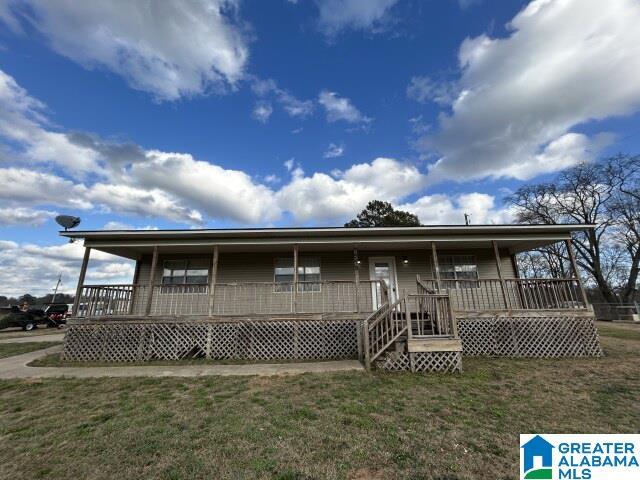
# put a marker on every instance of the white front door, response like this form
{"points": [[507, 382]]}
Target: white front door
{"points": [[384, 270]]}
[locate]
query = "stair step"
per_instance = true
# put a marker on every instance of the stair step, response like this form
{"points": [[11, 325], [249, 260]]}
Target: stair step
{"points": [[434, 344]]}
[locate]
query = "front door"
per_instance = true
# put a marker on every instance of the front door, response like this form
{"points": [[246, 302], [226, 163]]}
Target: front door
{"points": [[384, 270]]}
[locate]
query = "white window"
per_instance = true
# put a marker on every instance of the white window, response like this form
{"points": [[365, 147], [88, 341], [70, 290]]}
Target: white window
{"points": [[459, 268], [185, 272], [308, 274]]}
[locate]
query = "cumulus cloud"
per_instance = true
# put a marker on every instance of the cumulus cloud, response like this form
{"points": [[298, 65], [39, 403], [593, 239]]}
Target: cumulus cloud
{"points": [[335, 197], [29, 268], [262, 111], [340, 108], [441, 209], [126, 226], [22, 123], [423, 89], [292, 105], [563, 64], [170, 49], [220, 193], [338, 15], [334, 151], [24, 216]]}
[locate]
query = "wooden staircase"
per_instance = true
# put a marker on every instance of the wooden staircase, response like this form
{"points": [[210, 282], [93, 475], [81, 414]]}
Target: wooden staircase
{"points": [[418, 332]]}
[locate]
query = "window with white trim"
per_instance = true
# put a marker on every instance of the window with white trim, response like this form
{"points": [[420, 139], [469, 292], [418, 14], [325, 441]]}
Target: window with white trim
{"points": [[459, 268], [185, 272], [308, 274]]}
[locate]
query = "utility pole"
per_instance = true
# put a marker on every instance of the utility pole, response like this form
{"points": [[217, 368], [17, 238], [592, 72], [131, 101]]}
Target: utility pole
{"points": [[466, 218], [55, 290]]}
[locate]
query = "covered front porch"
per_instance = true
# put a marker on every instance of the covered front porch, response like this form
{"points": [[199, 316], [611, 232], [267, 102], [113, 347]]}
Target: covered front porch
{"points": [[479, 278]]}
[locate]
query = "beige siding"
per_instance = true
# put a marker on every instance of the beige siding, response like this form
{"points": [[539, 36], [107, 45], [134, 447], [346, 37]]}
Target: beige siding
{"points": [[335, 266], [258, 267]]}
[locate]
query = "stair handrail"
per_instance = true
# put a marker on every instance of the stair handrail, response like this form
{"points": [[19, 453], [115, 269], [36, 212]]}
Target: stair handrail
{"points": [[420, 285], [378, 336]]}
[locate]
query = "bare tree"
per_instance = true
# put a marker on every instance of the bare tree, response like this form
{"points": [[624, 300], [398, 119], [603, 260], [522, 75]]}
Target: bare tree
{"points": [[604, 194]]}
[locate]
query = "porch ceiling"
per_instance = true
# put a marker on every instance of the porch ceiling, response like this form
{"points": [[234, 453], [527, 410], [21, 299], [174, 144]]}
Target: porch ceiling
{"points": [[137, 249]]}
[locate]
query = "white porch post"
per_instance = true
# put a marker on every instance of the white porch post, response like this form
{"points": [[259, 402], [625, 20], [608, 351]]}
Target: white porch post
{"points": [[436, 266], [503, 287], [152, 277], [83, 272], [356, 274], [295, 279], [213, 279], [574, 267]]}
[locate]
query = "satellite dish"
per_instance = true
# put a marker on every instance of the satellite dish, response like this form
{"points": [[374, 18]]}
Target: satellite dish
{"points": [[67, 221]]}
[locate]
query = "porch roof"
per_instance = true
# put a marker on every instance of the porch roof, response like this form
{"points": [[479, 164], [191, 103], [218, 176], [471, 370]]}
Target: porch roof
{"points": [[134, 243]]}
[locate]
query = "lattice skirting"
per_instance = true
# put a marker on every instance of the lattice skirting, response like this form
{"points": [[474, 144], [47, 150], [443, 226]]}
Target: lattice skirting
{"points": [[529, 336], [446, 362], [119, 342]]}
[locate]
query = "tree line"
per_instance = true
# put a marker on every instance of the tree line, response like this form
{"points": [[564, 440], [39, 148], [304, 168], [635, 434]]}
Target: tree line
{"points": [[33, 300]]}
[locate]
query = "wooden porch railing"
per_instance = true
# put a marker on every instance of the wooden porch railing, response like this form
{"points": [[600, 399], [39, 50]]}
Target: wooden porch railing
{"points": [[232, 298], [431, 315], [518, 294]]}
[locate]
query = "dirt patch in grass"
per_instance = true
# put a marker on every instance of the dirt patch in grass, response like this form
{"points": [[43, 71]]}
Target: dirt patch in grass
{"points": [[350, 425], [11, 349]]}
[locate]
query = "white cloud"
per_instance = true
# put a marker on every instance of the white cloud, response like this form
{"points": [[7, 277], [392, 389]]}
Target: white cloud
{"points": [[322, 197], [262, 111], [338, 15], [22, 122], [24, 216], [565, 63], [423, 89], [340, 108], [220, 193], [29, 268], [126, 226], [441, 209], [170, 49], [292, 105], [334, 151], [21, 186]]}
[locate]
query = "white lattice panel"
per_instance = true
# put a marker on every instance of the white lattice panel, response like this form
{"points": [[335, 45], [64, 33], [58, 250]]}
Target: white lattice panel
{"points": [[444, 362], [255, 340], [529, 336]]}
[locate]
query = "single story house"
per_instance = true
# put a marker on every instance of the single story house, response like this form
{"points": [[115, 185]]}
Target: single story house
{"points": [[399, 298]]}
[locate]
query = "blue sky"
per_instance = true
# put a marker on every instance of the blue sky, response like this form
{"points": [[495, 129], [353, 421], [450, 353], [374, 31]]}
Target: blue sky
{"points": [[217, 113]]}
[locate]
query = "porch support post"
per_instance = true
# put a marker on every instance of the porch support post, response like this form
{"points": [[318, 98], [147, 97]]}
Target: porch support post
{"points": [[436, 265], [503, 287], [295, 279], [213, 279], [356, 273], [83, 272], [134, 289], [152, 277], [574, 267]]}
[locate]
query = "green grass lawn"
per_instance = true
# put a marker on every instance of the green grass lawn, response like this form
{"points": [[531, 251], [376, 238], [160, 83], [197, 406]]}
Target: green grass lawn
{"points": [[344, 425], [11, 349]]}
